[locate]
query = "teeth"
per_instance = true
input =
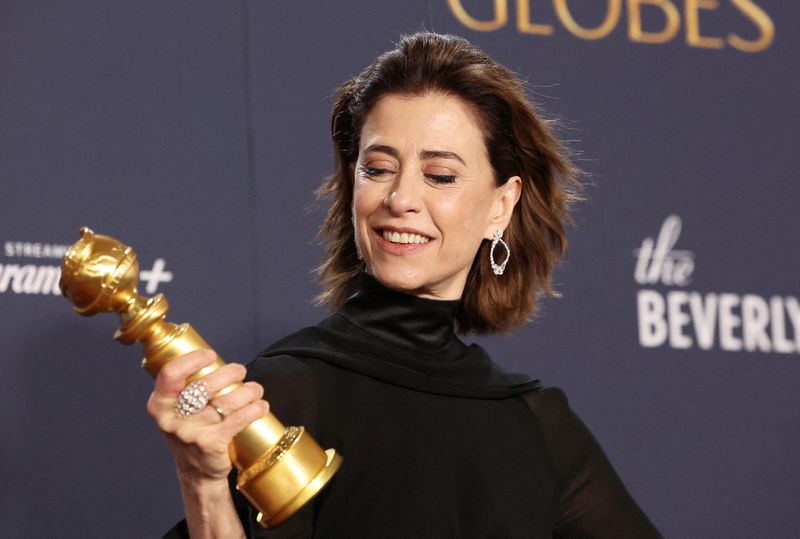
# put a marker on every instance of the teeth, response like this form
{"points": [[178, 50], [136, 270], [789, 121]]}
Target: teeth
{"points": [[405, 237]]}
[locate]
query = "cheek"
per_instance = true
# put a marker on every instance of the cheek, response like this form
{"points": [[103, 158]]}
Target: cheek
{"points": [[361, 208], [464, 215], [366, 199]]}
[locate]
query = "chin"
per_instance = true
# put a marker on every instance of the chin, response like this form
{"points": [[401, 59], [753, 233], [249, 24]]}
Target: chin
{"points": [[410, 282]]}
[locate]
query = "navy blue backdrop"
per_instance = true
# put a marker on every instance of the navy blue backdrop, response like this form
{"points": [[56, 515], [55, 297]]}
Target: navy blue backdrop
{"points": [[196, 132]]}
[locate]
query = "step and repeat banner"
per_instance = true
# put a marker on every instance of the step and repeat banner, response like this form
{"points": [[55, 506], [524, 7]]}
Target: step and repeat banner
{"points": [[196, 132]]}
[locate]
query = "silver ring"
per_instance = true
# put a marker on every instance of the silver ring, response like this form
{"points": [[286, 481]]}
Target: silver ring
{"points": [[192, 399]]}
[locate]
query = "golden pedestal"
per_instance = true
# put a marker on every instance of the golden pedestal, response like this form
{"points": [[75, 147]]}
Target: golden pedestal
{"points": [[280, 468]]}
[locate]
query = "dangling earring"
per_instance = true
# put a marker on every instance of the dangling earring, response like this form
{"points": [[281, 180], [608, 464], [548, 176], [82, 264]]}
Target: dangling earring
{"points": [[499, 268]]}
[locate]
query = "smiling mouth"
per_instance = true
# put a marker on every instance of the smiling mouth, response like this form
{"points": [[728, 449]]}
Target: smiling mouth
{"points": [[404, 237]]}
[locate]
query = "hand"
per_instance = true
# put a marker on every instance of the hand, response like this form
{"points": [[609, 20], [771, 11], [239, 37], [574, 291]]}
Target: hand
{"points": [[199, 443]]}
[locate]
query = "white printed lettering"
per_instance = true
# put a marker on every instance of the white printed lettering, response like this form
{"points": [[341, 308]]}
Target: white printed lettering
{"points": [[678, 319], [10, 271], [652, 326], [793, 309], [728, 322], [779, 340], [658, 262], [755, 319], [704, 317]]}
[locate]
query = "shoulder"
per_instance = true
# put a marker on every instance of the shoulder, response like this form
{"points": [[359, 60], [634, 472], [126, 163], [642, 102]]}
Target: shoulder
{"points": [[551, 409], [284, 368], [558, 421], [547, 401], [287, 360], [569, 441], [290, 386]]}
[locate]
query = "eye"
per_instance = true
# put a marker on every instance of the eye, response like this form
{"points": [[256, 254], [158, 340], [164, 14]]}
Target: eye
{"points": [[441, 178], [372, 171], [440, 174]]}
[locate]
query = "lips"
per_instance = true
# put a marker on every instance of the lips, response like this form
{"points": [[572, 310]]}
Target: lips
{"points": [[404, 237], [401, 241]]}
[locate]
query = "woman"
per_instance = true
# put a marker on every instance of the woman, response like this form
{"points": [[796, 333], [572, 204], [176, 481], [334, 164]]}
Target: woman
{"points": [[448, 208]]}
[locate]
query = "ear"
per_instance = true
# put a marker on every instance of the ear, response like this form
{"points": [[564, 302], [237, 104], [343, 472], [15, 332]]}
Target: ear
{"points": [[506, 198]]}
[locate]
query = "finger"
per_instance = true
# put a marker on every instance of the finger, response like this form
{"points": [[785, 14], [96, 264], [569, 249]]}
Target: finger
{"points": [[238, 398], [220, 379], [171, 413], [172, 377], [228, 374], [238, 420], [171, 380]]}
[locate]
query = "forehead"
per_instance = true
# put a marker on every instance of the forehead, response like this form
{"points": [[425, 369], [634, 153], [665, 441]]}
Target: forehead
{"points": [[431, 121]]}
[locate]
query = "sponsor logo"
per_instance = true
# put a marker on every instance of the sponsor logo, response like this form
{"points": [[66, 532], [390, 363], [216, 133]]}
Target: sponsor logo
{"points": [[683, 319], [23, 277], [644, 21]]}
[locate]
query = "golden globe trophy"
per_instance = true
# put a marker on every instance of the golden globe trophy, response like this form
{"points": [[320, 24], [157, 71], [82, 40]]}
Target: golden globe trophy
{"points": [[280, 468]]}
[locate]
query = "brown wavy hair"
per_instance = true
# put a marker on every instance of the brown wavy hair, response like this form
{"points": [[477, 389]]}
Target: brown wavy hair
{"points": [[519, 143]]}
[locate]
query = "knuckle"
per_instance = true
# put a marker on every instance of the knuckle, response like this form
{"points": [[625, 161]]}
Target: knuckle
{"points": [[186, 434], [243, 420], [164, 424], [243, 417], [206, 445], [169, 372], [224, 402], [152, 407]]}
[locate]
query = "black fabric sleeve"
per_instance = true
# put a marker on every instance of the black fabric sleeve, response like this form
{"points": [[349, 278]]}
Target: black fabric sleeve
{"points": [[594, 502]]}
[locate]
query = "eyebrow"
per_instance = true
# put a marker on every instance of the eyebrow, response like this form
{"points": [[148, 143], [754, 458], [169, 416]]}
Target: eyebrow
{"points": [[425, 154], [440, 154]]}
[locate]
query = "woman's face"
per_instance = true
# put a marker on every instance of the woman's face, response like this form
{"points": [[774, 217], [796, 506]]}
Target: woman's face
{"points": [[425, 195]]}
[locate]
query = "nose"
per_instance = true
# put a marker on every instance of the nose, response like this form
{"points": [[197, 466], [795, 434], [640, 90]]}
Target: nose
{"points": [[405, 196]]}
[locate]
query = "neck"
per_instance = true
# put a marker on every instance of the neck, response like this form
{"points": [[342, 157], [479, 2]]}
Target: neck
{"points": [[410, 321]]}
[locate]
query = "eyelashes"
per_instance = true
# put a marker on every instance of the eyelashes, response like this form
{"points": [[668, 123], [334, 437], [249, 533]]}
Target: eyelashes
{"points": [[439, 178], [375, 172], [372, 172]]}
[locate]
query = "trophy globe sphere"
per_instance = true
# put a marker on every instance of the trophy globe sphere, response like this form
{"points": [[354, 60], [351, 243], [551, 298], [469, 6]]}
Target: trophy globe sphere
{"points": [[99, 274]]}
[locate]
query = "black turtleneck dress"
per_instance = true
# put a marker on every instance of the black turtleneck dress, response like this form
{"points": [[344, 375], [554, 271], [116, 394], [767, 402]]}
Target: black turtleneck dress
{"points": [[437, 440]]}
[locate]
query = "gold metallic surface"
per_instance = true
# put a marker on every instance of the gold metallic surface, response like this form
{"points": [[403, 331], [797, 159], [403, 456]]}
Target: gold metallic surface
{"points": [[332, 463], [280, 468]]}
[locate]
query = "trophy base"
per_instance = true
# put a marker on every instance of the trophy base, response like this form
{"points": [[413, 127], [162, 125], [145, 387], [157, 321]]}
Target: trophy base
{"points": [[334, 460]]}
